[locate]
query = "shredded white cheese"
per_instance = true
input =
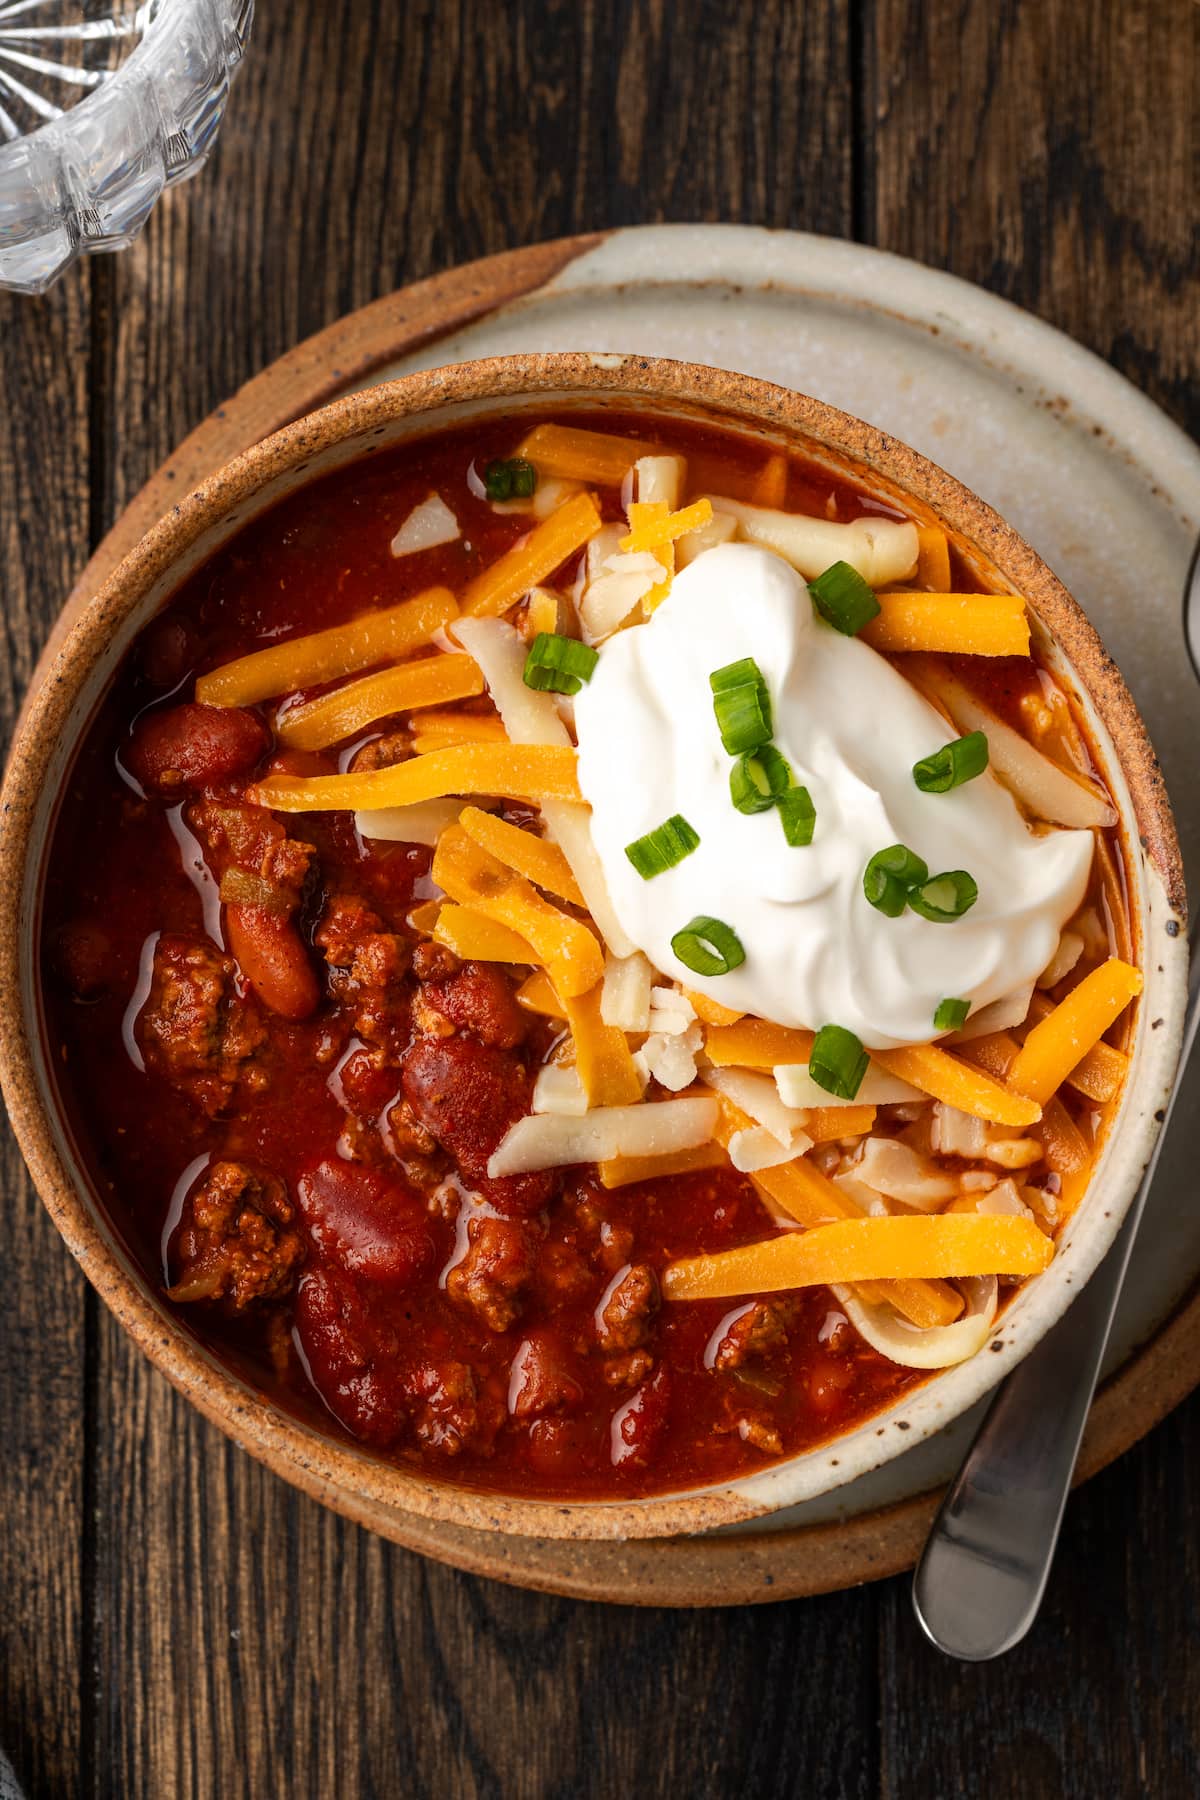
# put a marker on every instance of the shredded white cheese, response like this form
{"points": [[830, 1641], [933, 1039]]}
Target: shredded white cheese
{"points": [[551, 1141], [428, 525]]}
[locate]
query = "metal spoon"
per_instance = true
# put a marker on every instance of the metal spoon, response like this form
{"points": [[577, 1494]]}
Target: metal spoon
{"points": [[983, 1572]]}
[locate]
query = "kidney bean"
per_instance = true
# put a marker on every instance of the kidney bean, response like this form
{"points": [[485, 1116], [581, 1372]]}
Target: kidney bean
{"points": [[301, 762], [828, 1381], [638, 1426], [542, 1377], [193, 746], [366, 1221], [468, 1095], [273, 960], [360, 1379], [480, 999]]}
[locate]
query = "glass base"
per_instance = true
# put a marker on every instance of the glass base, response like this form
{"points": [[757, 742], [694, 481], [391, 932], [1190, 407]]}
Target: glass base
{"points": [[103, 104]]}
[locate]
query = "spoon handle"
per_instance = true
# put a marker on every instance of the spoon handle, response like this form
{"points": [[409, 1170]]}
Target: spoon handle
{"points": [[985, 1565]]}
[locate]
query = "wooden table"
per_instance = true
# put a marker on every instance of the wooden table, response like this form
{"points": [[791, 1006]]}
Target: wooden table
{"points": [[173, 1621]]}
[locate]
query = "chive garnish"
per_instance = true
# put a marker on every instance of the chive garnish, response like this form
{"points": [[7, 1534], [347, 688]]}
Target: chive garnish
{"points": [[663, 847], [708, 946], [742, 705], [842, 597], [951, 1015], [944, 898], [956, 762], [759, 779], [509, 478], [837, 1061], [798, 816], [558, 665], [890, 875]]}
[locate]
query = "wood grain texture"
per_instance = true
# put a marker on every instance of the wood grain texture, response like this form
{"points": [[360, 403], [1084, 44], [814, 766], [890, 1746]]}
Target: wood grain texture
{"points": [[1104, 1697], [311, 1658], [1050, 151], [44, 350], [200, 1630]]}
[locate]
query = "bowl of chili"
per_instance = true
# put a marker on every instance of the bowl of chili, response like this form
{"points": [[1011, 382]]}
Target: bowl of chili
{"points": [[328, 1044]]}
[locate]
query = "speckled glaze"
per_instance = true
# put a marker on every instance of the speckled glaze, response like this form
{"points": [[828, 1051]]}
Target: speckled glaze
{"points": [[352, 1480]]}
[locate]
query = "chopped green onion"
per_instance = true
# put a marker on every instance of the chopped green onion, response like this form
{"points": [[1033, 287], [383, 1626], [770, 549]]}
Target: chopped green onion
{"points": [[837, 1061], [708, 947], [888, 877], [951, 1015], [944, 898], [953, 764], [742, 705], [663, 847], [558, 665], [798, 815], [842, 597], [734, 674], [759, 779], [509, 478]]}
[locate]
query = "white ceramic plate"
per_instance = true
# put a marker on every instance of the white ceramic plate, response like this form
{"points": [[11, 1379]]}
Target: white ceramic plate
{"points": [[1089, 471]]}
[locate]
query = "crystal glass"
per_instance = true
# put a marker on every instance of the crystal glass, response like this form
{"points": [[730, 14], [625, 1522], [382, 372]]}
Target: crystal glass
{"points": [[103, 103]]}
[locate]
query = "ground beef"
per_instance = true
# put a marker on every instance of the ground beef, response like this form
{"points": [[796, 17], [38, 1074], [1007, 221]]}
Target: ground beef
{"points": [[409, 1136], [562, 1274], [434, 962], [369, 1382], [468, 1094], [627, 1371], [368, 971], [449, 1414], [608, 1243], [250, 839], [757, 1333], [394, 747], [493, 1274], [195, 1029], [236, 1240], [755, 1429], [623, 1319]]}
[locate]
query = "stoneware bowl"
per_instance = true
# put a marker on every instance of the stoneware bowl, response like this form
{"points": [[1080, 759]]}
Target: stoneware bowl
{"points": [[355, 1481]]}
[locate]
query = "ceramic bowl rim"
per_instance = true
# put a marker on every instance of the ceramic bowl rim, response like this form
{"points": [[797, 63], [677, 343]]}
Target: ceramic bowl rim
{"points": [[345, 1477]]}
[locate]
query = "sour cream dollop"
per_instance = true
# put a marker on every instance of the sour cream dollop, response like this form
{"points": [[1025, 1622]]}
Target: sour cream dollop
{"points": [[816, 951]]}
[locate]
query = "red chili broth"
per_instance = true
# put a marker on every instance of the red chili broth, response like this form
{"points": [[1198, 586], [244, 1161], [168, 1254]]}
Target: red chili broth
{"points": [[315, 559]]}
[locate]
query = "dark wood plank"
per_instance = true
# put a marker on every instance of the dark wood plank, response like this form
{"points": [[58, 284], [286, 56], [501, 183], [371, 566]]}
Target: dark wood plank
{"points": [[287, 1652], [44, 351], [1104, 1696], [257, 1643], [244, 1640], [1049, 153]]}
